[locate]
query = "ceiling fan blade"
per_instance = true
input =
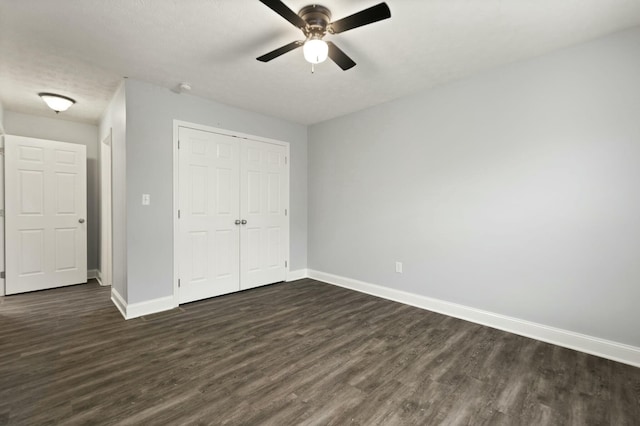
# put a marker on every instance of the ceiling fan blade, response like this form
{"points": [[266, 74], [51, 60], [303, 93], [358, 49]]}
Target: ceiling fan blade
{"points": [[364, 17], [339, 57], [288, 14], [280, 51]]}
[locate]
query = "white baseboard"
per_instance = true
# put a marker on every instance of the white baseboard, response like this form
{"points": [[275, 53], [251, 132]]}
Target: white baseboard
{"points": [[135, 310], [298, 274], [99, 278], [580, 342], [119, 302], [92, 274]]}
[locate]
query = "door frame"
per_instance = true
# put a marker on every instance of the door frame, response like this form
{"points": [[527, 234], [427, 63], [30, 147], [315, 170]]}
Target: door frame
{"points": [[105, 277], [176, 187], [2, 269]]}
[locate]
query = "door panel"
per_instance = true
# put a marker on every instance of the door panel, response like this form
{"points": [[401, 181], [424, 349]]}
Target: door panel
{"points": [[274, 249], [263, 185], [66, 200], [31, 192], [31, 252], [46, 201], [209, 206], [65, 249]]}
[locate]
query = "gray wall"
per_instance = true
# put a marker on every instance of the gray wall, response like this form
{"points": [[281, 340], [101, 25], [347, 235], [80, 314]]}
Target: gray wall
{"points": [[516, 191], [149, 158], [114, 120], [67, 131]]}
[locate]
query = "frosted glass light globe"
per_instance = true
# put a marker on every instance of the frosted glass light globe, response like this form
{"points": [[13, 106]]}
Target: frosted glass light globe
{"points": [[57, 103], [315, 51]]}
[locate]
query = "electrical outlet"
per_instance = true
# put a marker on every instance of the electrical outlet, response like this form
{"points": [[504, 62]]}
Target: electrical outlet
{"points": [[399, 267], [146, 199]]}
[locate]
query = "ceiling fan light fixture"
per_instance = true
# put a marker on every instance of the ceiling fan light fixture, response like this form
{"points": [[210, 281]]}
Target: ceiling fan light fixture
{"points": [[315, 22], [57, 103], [315, 50]]}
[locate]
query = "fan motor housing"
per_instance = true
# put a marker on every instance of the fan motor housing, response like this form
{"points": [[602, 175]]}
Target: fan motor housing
{"points": [[317, 18]]}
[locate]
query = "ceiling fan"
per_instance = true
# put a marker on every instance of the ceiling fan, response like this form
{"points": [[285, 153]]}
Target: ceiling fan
{"points": [[315, 22]]}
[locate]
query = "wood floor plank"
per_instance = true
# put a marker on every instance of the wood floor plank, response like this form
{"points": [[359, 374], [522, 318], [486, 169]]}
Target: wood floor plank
{"points": [[291, 353]]}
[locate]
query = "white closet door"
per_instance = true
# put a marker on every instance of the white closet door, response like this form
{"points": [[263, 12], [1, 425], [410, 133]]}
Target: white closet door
{"points": [[209, 206], [264, 237], [46, 207]]}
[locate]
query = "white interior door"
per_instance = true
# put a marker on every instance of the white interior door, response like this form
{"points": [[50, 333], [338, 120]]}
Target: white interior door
{"points": [[209, 208], [264, 197], [46, 207]]}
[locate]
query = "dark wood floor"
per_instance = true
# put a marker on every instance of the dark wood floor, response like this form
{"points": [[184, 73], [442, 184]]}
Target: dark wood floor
{"points": [[291, 353]]}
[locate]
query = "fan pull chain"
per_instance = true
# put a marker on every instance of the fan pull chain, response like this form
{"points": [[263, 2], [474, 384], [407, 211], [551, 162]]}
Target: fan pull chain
{"points": [[313, 70]]}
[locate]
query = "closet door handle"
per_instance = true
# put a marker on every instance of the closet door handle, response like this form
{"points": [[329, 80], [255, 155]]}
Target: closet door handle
{"points": [[237, 221], [244, 222]]}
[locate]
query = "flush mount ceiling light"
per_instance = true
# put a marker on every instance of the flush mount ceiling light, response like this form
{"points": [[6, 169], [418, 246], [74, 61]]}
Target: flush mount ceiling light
{"points": [[57, 102]]}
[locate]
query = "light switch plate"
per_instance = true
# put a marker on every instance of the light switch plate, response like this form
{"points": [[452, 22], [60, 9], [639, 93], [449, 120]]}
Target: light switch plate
{"points": [[146, 199]]}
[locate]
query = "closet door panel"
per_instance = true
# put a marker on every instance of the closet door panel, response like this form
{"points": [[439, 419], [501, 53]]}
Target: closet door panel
{"points": [[262, 194], [209, 206]]}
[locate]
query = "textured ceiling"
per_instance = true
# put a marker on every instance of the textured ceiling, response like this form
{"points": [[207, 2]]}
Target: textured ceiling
{"points": [[82, 48]]}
